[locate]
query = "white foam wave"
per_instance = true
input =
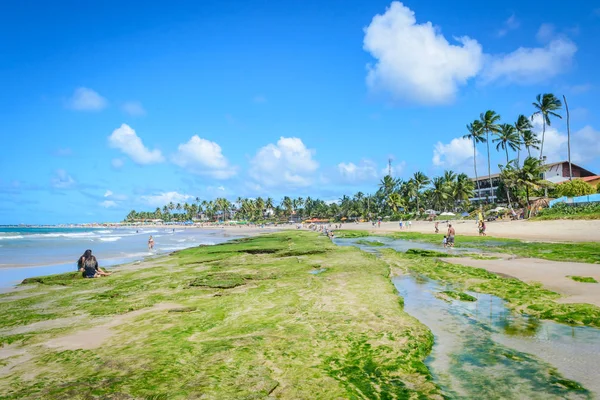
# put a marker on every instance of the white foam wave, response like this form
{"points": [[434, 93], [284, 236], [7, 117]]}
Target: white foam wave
{"points": [[104, 231], [110, 238], [11, 237]]}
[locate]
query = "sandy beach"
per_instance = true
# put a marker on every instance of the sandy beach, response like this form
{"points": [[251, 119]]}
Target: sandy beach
{"points": [[543, 231]]}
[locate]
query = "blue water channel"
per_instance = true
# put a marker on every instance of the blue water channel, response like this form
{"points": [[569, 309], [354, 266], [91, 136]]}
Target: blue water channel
{"points": [[483, 350]]}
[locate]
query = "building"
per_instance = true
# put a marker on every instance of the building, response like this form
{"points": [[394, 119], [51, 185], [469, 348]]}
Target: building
{"points": [[556, 172]]}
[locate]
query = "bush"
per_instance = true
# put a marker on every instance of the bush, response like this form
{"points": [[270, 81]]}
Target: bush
{"points": [[565, 210], [574, 188]]}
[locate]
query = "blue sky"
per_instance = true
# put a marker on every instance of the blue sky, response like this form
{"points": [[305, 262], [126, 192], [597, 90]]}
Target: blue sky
{"points": [[111, 107]]}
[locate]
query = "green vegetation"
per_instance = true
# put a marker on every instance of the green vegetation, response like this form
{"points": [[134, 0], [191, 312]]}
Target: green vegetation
{"points": [[520, 296], [586, 252], [566, 211], [574, 188], [243, 320], [459, 295], [370, 243], [584, 279], [427, 253]]}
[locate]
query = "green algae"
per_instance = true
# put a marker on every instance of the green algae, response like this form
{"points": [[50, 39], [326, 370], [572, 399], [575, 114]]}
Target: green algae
{"points": [[245, 324], [586, 252], [373, 243], [532, 299], [583, 279], [462, 296]]}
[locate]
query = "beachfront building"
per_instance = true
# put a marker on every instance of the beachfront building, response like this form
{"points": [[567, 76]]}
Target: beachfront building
{"points": [[556, 173]]}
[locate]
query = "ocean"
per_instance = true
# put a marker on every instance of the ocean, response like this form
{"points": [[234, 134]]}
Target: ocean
{"points": [[26, 252]]}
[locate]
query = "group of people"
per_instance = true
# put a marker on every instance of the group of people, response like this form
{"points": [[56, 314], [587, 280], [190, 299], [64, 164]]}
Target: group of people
{"points": [[407, 224], [448, 240], [88, 266]]}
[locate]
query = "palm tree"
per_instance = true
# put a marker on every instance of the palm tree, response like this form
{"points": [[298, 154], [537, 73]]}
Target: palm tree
{"points": [[530, 140], [507, 138], [394, 201], [489, 124], [522, 126], [387, 185], [476, 134], [530, 175], [546, 105], [449, 176], [463, 188], [419, 180], [439, 193], [287, 204]]}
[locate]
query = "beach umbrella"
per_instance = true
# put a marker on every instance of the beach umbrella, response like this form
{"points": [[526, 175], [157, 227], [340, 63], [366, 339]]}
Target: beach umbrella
{"points": [[447, 213]]}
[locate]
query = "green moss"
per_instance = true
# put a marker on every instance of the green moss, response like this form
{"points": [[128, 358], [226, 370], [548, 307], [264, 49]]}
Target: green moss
{"points": [[370, 243], [245, 323], [584, 279], [59, 279], [427, 253], [459, 295]]}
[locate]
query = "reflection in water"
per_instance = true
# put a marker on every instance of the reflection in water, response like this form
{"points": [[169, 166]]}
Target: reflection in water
{"points": [[482, 350]]}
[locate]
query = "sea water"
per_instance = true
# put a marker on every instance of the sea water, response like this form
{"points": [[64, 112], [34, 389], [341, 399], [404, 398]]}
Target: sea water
{"points": [[35, 251]]}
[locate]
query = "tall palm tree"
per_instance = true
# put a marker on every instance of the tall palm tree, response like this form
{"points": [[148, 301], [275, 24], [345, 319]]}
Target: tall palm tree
{"points": [[522, 126], [546, 105], [489, 123], [419, 180], [530, 141], [439, 193], [449, 176], [387, 185], [462, 189], [476, 135], [508, 137], [530, 175]]}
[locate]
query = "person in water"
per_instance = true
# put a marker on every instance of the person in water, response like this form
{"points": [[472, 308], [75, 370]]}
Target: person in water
{"points": [[88, 265], [151, 243]]}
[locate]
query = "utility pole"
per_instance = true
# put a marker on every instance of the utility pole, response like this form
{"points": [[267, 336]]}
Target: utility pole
{"points": [[568, 139], [389, 166]]}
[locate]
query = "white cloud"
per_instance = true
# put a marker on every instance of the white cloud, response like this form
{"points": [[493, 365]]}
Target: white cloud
{"points": [[203, 157], [108, 204], [454, 154], [585, 143], [62, 180], [85, 99], [530, 65], [510, 24], [125, 139], [415, 61], [133, 108], [117, 163], [164, 198], [365, 170], [108, 193], [287, 163]]}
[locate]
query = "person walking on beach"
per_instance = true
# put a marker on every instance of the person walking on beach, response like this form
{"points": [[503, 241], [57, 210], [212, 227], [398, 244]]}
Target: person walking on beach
{"points": [[451, 233], [151, 243], [88, 265], [437, 228]]}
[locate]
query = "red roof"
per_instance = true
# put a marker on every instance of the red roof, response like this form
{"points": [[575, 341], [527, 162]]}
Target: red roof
{"points": [[585, 178]]}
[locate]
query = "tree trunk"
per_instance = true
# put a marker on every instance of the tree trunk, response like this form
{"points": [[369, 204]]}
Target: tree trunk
{"points": [[475, 168], [543, 136], [506, 148], [487, 140], [568, 139], [529, 150]]}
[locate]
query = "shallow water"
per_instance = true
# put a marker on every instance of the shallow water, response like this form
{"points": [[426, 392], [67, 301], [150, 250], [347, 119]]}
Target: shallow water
{"points": [[401, 245], [27, 252], [483, 350]]}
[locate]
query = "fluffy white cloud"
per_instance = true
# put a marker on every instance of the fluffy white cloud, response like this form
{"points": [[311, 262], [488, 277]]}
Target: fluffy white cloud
{"points": [[125, 139], [288, 163], [62, 180], [545, 33], [365, 170], [203, 157], [108, 204], [454, 154], [85, 99], [164, 198], [585, 143], [415, 61], [531, 65], [133, 108], [108, 193]]}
